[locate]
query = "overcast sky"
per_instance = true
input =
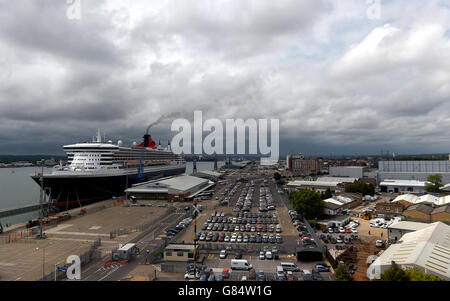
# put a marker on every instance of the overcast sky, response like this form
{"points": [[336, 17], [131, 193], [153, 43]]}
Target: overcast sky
{"points": [[340, 78]]}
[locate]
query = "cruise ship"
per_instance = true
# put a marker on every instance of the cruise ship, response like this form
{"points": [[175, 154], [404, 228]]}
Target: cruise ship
{"points": [[101, 170]]}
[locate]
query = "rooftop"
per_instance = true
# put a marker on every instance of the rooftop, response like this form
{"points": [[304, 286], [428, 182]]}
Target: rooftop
{"points": [[427, 248], [180, 247], [426, 198], [405, 225], [445, 208], [420, 207], [181, 183], [411, 183]]}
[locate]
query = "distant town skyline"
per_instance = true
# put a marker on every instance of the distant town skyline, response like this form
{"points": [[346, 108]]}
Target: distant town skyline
{"points": [[343, 77]]}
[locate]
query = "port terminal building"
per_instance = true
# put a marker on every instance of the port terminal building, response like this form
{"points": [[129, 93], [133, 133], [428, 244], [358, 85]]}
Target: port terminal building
{"points": [[209, 174], [180, 188]]}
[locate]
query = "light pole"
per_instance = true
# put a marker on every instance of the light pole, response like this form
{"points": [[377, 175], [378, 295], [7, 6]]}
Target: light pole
{"points": [[41, 178], [126, 182], [43, 261]]}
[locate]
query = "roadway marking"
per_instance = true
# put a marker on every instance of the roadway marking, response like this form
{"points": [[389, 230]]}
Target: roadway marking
{"points": [[109, 273], [80, 233], [95, 227], [81, 240], [58, 228], [7, 264]]}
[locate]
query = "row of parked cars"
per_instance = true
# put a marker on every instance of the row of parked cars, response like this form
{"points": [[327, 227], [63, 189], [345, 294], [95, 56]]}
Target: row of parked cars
{"points": [[240, 238], [303, 232], [339, 239], [228, 193], [244, 203], [242, 228], [265, 199], [284, 272], [180, 226]]}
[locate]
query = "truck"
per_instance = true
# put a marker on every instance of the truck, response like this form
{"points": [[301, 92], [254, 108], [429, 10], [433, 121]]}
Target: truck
{"points": [[125, 252]]}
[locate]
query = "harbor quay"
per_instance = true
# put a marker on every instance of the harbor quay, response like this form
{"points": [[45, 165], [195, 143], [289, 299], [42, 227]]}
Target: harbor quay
{"points": [[30, 258]]}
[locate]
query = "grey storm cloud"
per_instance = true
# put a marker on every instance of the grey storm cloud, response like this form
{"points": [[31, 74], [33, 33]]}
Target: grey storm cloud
{"points": [[338, 81]]}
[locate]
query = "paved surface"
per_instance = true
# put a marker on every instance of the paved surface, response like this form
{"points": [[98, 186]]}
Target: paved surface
{"points": [[26, 260]]}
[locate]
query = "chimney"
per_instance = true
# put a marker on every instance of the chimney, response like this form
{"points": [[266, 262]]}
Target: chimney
{"points": [[146, 140]]}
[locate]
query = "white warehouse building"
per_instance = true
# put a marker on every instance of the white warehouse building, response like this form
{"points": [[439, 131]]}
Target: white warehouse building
{"points": [[426, 249]]}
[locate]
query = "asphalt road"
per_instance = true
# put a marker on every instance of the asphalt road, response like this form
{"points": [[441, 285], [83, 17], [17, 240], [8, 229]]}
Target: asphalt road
{"points": [[149, 240]]}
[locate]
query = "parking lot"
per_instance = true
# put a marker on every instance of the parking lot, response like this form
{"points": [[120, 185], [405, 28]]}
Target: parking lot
{"points": [[245, 218]]}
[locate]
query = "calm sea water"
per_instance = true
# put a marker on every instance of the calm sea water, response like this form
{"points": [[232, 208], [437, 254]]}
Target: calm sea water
{"points": [[18, 189]]}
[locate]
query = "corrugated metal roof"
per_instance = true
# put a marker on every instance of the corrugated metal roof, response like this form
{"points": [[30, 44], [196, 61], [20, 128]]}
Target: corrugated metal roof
{"points": [[405, 225], [427, 198], [428, 249], [183, 182]]}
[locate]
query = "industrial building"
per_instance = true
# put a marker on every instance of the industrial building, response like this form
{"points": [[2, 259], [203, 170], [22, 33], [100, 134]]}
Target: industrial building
{"points": [[426, 249], [411, 199], [348, 171], [208, 174], [441, 214], [389, 210], [178, 188], [402, 186], [418, 213], [335, 184], [413, 170], [299, 165], [398, 229], [179, 252], [335, 205]]}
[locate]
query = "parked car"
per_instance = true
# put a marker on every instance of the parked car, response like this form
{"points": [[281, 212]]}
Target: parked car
{"points": [[262, 255], [322, 267], [261, 275], [226, 273], [379, 243], [190, 275], [252, 274], [223, 254]]}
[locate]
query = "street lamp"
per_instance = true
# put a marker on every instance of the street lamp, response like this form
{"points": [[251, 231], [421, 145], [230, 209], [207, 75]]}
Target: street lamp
{"points": [[41, 179], [43, 261]]}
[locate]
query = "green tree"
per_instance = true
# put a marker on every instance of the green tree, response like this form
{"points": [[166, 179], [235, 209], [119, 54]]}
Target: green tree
{"points": [[327, 194], [419, 275], [342, 273], [362, 188], [308, 203], [435, 183], [277, 176], [394, 273]]}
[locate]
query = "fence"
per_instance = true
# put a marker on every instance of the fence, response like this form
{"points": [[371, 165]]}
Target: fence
{"points": [[17, 236], [85, 258]]}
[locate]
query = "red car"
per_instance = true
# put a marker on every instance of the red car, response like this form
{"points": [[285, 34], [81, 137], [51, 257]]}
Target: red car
{"points": [[250, 249], [226, 273], [348, 231], [221, 237], [252, 274]]}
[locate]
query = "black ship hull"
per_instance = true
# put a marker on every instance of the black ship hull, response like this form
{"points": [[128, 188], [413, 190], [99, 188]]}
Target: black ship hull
{"points": [[69, 192]]}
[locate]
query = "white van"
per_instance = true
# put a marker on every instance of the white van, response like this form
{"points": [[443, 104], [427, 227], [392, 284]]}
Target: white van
{"points": [[240, 264], [290, 266], [280, 272]]}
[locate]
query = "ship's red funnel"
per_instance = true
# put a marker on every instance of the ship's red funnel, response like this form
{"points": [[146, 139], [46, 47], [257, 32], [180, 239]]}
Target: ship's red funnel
{"points": [[148, 142]]}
